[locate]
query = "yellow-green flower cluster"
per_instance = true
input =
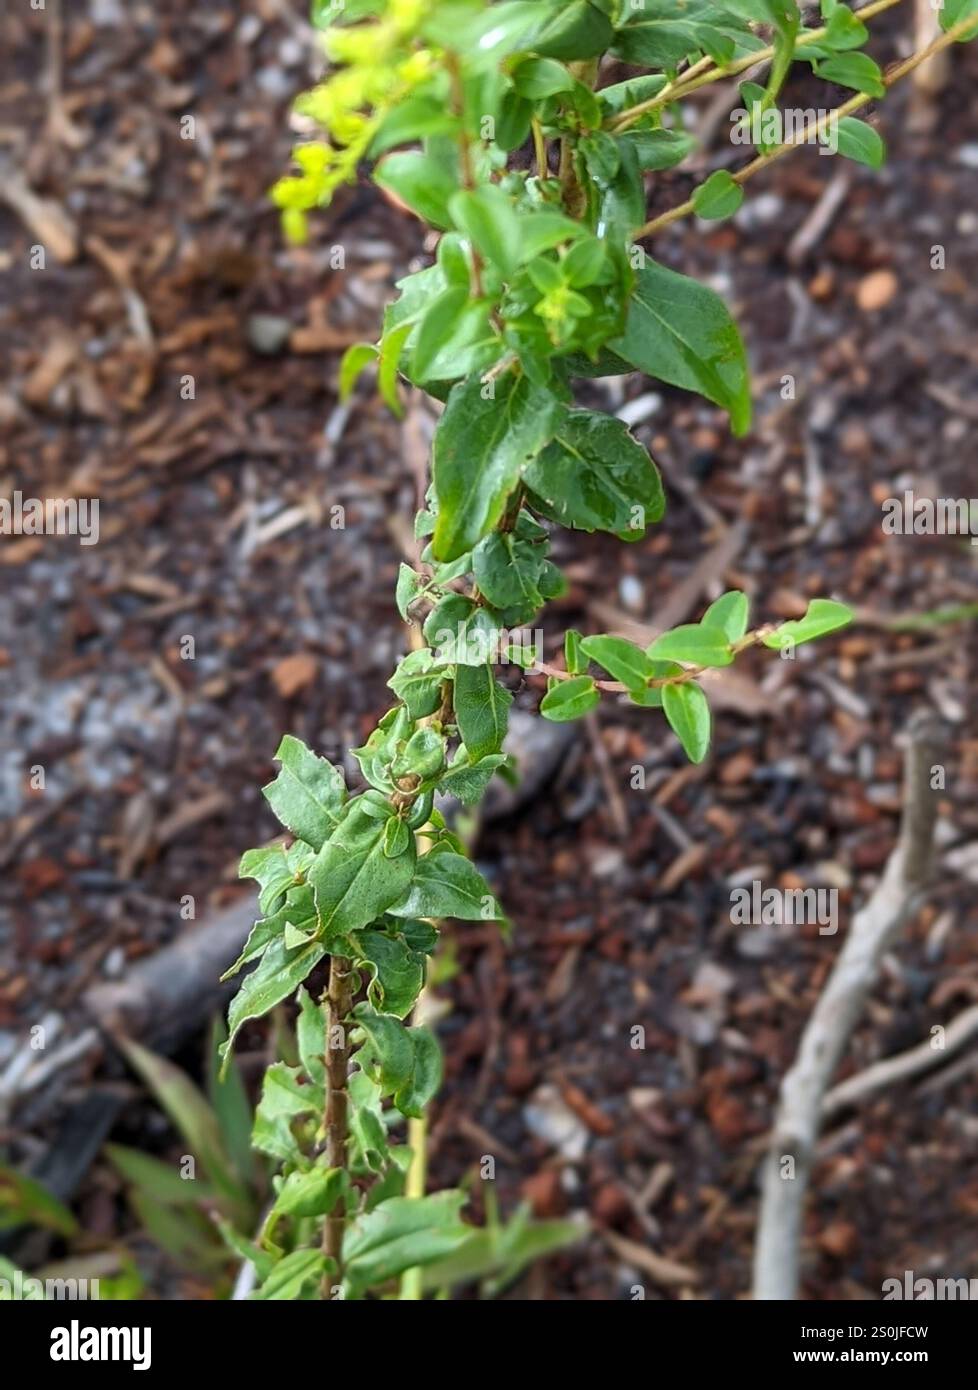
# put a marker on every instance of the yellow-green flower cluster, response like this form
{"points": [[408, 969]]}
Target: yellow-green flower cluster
{"points": [[378, 64]]}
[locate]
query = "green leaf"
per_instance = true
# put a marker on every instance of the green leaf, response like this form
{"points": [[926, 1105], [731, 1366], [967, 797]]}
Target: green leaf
{"points": [[537, 78], [310, 1036], [357, 357], [284, 1098], [352, 879], [481, 444], [409, 584], [688, 713], [414, 118], [823, 616], [680, 332], [299, 910], [696, 643], [295, 1277], [661, 33], [161, 1181], [855, 70], [481, 710], [391, 346], [487, 217], [272, 868], [399, 1234], [418, 681], [24, 1201], [314, 1193], [953, 11], [467, 779], [729, 614], [448, 885], [277, 975], [720, 196], [596, 477], [308, 795], [860, 141], [542, 231], [232, 1108], [570, 699], [388, 1044], [421, 181], [435, 328], [621, 659], [423, 755], [576, 29], [659, 149], [396, 972], [506, 570], [574, 658], [426, 1074]]}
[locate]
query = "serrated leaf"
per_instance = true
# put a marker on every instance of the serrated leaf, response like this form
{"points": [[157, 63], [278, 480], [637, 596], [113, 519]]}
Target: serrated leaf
{"points": [[688, 712], [308, 795], [351, 877], [695, 643], [681, 332], [448, 885], [277, 975], [481, 710], [299, 909], [570, 699]]}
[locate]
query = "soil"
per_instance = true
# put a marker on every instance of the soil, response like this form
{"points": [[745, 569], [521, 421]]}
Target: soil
{"points": [[178, 362]]}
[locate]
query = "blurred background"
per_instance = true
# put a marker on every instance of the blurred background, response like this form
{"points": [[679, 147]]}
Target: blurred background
{"points": [[171, 356]]}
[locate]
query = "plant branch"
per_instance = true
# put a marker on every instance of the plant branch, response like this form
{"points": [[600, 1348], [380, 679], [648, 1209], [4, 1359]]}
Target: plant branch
{"points": [[751, 639], [339, 998], [818, 128], [702, 73]]}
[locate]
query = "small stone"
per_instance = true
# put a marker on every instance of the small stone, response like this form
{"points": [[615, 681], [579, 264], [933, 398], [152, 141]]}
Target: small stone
{"points": [[268, 333], [876, 290]]}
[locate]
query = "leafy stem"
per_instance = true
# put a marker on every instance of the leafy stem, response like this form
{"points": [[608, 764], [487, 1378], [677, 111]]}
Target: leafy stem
{"points": [[819, 127], [705, 71]]}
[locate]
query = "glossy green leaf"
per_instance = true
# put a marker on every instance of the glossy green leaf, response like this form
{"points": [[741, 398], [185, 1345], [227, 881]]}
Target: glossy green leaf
{"points": [[720, 196], [855, 70], [570, 699], [623, 660], [595, 476], [695, 643], [481, 444], [729, 614], [823, 616], [681, 332], [688, 712], [487, 217], [424, 183], [481, 710], [860, 141]]}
